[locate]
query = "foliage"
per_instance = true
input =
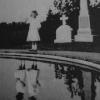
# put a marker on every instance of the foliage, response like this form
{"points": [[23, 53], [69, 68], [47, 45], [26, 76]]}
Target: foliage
{"points": [[72, 78], [65, 6], [94, 3]]}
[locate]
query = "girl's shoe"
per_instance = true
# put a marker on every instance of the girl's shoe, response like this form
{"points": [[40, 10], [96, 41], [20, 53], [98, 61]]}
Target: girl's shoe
{"points": [[19, 96], [32, 98]]}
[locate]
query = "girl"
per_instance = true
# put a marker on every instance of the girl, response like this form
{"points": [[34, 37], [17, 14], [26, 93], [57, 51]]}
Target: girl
{"points": [[33, 34]]}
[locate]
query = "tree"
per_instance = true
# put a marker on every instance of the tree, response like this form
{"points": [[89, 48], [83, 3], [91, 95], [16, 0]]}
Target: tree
{"points": [[65, 6], [94, 3]]}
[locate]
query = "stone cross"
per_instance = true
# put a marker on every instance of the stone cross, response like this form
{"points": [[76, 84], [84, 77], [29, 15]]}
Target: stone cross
{"points": [[63, 19]]}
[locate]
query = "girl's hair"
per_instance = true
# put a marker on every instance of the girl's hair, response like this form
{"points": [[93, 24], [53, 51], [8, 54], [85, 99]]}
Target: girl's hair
{"points": [[34, 12]]}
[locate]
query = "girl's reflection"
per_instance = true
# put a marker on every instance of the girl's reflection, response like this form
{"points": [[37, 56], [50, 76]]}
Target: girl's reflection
{"points": [[27, 76]]}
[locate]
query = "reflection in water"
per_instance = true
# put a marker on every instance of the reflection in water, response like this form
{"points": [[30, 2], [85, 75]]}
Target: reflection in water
{"points": [[20, 81], [27, 76], [95, 86], [58, 81], [72, 78]]}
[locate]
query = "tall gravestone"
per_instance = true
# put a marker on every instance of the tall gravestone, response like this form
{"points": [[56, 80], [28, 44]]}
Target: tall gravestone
{"points": [[84, 32]]}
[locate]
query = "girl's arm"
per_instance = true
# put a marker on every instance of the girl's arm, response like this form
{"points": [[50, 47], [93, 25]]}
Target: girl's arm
{"points": [[28, 20]]}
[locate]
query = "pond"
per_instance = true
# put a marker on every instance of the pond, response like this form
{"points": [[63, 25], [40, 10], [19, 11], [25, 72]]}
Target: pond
{"points": [[52, 80]]}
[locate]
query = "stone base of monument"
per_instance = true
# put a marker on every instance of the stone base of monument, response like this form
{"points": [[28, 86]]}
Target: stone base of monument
{"points": [[84, 38], [62, 40], [84, 35]]}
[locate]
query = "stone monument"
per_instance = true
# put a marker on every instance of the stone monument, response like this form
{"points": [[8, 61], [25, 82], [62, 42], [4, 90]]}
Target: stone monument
{"points": [[84, 32], [63, 33]]}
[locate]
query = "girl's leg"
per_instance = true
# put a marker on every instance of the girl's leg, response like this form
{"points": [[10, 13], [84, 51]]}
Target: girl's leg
{"points": [[33, 45]]}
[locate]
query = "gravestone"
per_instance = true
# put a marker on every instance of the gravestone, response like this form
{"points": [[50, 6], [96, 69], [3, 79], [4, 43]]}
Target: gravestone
{"points": [[63, 33], [84, 32]]}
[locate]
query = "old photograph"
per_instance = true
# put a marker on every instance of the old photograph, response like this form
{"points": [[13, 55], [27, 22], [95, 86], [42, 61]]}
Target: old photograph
{"points": [[49, 50]]}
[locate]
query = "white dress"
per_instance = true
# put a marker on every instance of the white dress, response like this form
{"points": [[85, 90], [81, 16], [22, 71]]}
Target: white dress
{"points": [[33, 34]]}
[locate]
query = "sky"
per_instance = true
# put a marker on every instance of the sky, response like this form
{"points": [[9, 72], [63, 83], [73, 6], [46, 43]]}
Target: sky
{"points": [[11, 10], [18, 10]]}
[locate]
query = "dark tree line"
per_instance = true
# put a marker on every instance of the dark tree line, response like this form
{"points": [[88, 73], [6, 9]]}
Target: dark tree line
{"points": [[94, 13], [13, 34]]}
